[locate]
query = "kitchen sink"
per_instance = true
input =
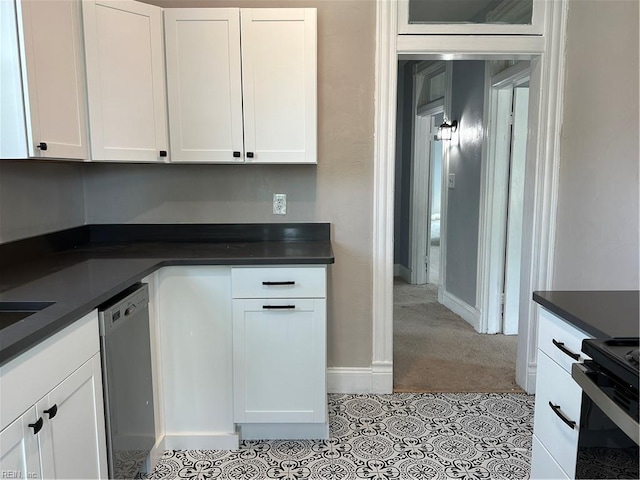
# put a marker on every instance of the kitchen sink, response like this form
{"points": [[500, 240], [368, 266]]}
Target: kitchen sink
{"points": [[12, 312]]}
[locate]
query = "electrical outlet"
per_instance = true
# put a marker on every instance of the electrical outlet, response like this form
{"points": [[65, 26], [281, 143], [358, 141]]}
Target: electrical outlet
{"points": [[452, 180], [279, 203]]}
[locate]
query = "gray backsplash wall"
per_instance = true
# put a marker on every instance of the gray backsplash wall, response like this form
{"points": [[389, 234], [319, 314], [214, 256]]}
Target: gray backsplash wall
{"points": [[39, 197]]}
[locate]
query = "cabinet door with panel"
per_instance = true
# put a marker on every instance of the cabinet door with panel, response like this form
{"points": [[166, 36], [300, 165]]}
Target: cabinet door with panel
{"points": [[279, 360], [204, 84], [279, 84], [72, 438], [19, 455], [125, 80], [43, 89]]}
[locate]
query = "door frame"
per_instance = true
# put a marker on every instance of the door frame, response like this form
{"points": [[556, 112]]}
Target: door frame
{"points": [[421, 171], [547, 82], [494, 193]]}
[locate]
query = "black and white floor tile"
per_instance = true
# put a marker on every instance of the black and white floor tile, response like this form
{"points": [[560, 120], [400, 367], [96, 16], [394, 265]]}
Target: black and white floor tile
{"points": [[379, 437]]}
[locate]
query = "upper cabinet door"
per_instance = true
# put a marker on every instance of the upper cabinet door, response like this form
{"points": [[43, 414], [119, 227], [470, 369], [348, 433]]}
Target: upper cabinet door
{"points": [[125, 80], [204, 84], [45, 55], [279, 85]]}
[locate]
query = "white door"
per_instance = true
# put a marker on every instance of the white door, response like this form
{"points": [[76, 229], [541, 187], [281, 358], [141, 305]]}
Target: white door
{"points": [[204, 84], [279, 360], [515, 211], [125, 80], [72, 440], [54, 87], [279, 84], [19, 457]]}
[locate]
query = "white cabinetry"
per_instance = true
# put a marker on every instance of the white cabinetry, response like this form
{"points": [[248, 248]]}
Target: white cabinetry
{"points": [[125, 80], [255, 104], [194, 330], [43, 99], [558, 399], [204, 84], [279, 351], [52, 414]]}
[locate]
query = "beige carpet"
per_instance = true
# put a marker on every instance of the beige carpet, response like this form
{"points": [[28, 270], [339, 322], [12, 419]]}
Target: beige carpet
{"points": [[434, 350]]}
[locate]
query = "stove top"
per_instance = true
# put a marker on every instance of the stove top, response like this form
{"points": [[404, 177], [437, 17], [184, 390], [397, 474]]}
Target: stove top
{"points": [[619, 356]]}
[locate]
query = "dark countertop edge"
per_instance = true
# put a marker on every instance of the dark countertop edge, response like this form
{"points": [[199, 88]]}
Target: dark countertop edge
{"points": [[568, 316], [74, 313]]}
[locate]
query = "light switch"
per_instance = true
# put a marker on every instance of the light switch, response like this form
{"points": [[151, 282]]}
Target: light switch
{"points": [[452, 180]]}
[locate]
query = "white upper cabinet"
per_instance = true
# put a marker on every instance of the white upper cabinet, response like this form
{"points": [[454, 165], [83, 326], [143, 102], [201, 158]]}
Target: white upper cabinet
{"points": [[125, 81], [43, 102], [204, 84], [279, 85], [242, 85]]}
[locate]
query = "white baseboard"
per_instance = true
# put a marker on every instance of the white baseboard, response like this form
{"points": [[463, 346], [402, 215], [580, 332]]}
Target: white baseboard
{"points": [[375, 379], [468, 313], [214, 441], [530, 387]]}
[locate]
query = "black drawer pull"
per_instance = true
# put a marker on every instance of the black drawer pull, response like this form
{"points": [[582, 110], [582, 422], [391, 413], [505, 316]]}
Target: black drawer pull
{"points": [[42, 146], [52, 411], [565, 350], [249, 154], [558, 412], [278, 307], [270, 284], [36, 426], [163, 153], [236, 154]]}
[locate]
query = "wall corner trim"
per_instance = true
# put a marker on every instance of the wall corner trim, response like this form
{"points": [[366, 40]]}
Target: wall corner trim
{"points": [[375, 379]]}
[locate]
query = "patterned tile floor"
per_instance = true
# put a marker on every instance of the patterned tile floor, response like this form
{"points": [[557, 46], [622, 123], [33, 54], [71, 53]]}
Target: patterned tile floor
{"points": [[376, 437]]}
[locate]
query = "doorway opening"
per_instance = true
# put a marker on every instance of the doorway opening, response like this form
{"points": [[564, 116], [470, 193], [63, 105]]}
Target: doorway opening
{"points": [[448, 224]]}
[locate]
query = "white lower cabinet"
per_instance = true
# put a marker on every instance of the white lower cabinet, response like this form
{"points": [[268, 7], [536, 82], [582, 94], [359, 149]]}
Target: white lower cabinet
{"points": [[19, 454], [558, 399], [60, 431], [194, 357], [72, 442], [279, 352]]}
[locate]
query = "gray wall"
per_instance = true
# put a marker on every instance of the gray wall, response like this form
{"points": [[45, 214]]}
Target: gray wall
{"points": [[597, 225], [339, 190], [39, 197], [463, 211]]}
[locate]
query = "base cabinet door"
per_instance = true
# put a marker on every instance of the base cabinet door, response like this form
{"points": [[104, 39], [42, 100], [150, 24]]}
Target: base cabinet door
{"points": [[19, 456], [72, 439], [279, 360]]}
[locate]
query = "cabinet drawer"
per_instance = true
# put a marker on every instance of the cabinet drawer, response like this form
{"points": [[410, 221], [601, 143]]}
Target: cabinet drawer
{"points": [[280, 282], [556, 386], [559, 340]]}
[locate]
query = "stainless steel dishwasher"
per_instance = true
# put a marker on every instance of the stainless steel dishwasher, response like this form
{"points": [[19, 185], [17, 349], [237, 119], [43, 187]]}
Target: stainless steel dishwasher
{"points": [[128, 390]]}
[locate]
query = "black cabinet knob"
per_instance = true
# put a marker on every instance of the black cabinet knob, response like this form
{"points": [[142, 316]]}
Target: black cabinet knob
{"points": [[37, 426], [52, 411], [249, 154], [42, 146], [236, 154], [163, 153]]}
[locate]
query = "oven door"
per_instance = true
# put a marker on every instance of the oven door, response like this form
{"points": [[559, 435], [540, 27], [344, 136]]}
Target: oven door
{"points": [[609, 430]]}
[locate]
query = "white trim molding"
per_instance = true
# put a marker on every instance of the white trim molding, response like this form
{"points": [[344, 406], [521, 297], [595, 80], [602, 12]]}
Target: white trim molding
{"points": [[374, 379], [468, 313]]}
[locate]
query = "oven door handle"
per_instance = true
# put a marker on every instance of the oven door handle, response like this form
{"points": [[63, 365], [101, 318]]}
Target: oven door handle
{"points": [[617, 415]]}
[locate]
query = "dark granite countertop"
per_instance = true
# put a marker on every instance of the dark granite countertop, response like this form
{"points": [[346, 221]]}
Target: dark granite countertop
{"points": [[602, 313], [95, 263]]}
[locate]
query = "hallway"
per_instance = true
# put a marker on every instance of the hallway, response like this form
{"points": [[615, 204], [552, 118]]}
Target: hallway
{"points": [[436, 351]]}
